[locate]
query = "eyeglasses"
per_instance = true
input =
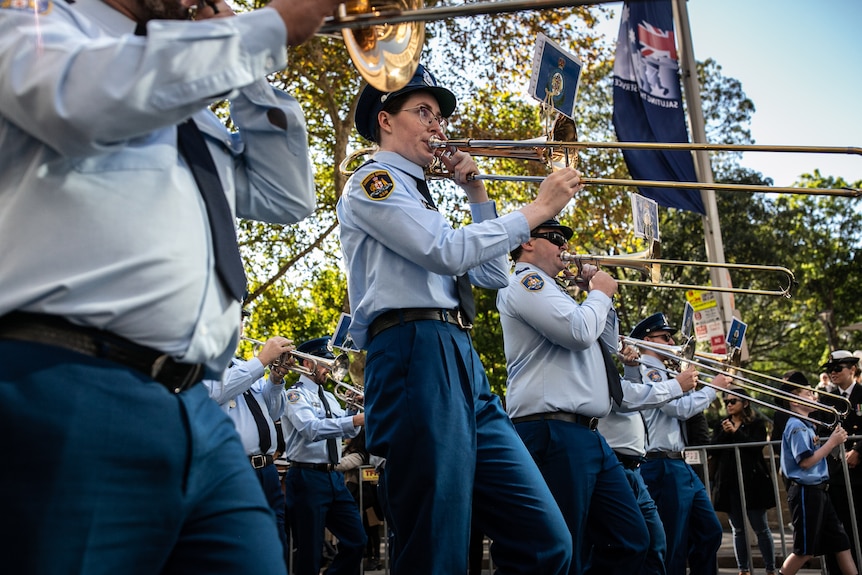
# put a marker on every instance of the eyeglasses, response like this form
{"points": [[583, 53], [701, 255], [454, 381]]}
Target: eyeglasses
{"points": [[836, 368], [731, 401], [555, 238], [427, 117], [662, 336]]}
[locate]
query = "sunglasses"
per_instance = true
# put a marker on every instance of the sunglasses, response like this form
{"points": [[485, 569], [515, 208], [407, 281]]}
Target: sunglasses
{"points": [[836, 368], [731, 401], [662, 336], [555, 238]]}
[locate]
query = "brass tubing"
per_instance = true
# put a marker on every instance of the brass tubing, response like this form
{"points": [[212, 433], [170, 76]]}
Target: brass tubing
{"points": [[388, 15]]}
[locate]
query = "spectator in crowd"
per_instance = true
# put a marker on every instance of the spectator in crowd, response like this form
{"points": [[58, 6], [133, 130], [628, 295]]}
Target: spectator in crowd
{"points": [[743, 425]]}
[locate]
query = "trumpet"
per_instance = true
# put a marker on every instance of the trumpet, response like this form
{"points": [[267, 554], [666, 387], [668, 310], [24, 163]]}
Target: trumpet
{"points": [[352, 396], [650, 268], [338, 367], [683, 355]]}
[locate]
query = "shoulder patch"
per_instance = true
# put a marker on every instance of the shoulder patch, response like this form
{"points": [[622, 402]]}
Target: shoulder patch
{"points": [[378, 185], [292, 396], [34, 6], [654, 375], [532, 282]]}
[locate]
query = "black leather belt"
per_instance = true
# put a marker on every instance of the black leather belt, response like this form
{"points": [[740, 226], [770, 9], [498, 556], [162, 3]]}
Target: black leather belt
{"points": [[629, 461], [665, 455], [590, 422], [820, 486], [395, 317], [327, 467], [58, 332], [260, 461]]}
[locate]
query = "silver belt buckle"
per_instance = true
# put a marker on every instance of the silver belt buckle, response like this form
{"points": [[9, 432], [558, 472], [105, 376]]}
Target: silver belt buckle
{"points": [[459, 316], [258, 461]]}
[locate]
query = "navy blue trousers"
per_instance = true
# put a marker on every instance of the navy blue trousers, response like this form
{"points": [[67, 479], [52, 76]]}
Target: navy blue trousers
{"points": [[692, 529], [105, 471], [591, 488], [319, 500], [655, 559], [450, 448]]}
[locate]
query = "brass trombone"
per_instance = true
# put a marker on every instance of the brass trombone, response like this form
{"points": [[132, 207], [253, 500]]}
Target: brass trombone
{"points": [[551, 150], [731, 360], [651, 270], [685, 354]]}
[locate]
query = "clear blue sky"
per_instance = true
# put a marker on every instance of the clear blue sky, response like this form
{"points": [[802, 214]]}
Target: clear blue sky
{"points": [[800, 62]]}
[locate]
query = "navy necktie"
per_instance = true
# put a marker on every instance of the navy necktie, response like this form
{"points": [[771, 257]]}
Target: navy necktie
{"points": [[615, 387], [260, 420], [331, 446], [462, 283], [193, 147], [228, 262]]}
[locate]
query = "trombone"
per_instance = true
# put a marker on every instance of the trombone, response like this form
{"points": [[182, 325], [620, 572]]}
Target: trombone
{"points": [[551, 151], [651, 270], [685, 354]]}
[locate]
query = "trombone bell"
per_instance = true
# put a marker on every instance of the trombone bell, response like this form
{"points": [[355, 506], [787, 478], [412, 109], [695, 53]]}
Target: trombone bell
{"points": [[386, 55]]}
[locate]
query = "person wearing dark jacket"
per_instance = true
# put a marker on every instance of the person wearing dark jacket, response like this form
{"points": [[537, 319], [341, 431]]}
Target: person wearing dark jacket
{"points": [[743, 425]]}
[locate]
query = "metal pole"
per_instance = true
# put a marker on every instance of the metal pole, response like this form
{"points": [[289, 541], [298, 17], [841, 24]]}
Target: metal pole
{"points": [[711, 225]]}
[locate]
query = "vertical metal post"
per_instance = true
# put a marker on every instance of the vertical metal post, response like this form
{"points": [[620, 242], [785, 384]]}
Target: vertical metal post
{"points": [[703, 169]]}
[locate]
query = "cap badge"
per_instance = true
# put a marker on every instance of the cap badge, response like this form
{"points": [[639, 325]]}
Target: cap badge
{"points": [[428, 79]]}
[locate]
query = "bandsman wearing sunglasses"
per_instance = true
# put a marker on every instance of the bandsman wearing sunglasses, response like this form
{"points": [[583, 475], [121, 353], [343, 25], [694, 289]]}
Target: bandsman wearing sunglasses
{"points": [[448, 445], [691, 527], [843, 368], [562, 383]]}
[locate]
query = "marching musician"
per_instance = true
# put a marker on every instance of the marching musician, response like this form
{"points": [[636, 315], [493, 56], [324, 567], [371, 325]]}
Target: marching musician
{"points": [[409, 274], [108, 324], [314, 424], [254, 403], [561, 382], [691, 527]]}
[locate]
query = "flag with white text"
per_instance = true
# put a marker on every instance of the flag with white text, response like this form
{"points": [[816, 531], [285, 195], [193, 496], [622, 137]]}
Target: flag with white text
{"points": [[648, 102]]}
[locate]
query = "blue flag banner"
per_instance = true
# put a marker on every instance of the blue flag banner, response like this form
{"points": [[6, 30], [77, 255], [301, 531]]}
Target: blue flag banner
{"points": [[648, 102]]}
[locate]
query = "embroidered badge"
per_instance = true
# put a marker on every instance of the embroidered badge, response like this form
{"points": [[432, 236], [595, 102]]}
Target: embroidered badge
{"points": [[35, 6], [292, 396], [533, 282], [378, 185], [654, 375]]}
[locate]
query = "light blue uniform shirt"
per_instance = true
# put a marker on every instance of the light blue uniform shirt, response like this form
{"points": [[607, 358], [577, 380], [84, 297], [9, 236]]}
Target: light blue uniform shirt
{"points": [[227, 392], [798, 443], [100, 217], [306, 427], [402, 254], [664, 424], [624, 428], [552, 358]]}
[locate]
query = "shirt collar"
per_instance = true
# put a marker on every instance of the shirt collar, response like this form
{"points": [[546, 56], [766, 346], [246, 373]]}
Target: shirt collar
{"points": [[398, 161]]}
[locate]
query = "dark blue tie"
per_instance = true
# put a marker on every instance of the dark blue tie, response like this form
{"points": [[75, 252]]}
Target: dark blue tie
{"points": [[193, 147], [228, 262], [462, 283]]}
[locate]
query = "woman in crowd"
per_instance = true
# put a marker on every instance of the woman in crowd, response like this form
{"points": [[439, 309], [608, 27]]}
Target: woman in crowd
{"points": [[743, 425]]}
